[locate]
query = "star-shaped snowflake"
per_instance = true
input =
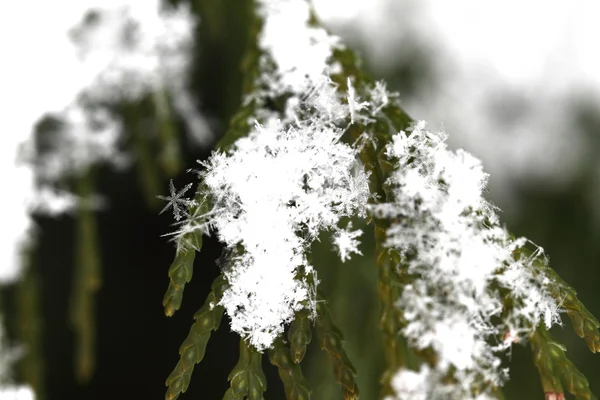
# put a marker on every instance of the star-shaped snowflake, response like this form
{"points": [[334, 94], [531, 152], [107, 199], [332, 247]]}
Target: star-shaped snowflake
{"points": [[177, 201]]}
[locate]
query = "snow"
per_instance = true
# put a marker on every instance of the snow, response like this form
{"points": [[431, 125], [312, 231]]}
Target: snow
{"points": [[273, 194], [344, 240], [451, 240]]}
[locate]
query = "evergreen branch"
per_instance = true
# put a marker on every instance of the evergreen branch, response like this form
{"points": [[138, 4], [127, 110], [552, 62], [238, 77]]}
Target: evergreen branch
{"points": [[331, 340], [180, 271], [584, 323], [555, 369], [247, 378], [300, 335], [295, 385], [192, 350], [388, 122]]}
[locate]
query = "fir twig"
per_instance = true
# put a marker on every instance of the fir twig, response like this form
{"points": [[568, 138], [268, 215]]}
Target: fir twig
{"points": [[295, 385], [192, 350], [247, 378], [331, 340], [584, 323], [300, 335], [181, 271], [555, 369]]}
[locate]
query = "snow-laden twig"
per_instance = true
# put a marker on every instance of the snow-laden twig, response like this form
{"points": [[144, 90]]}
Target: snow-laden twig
{"points": [[272, 195], [449, 237]]}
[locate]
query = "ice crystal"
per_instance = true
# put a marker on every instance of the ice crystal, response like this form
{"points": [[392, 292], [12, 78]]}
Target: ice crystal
{"points": [[177, 201]]}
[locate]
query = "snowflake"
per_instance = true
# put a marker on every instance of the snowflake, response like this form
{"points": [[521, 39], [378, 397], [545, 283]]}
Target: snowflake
{"points": [[176, 200], [344, 240]]}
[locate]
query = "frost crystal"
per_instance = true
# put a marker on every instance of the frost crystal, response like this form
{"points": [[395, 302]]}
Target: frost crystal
{"points": [[449, 237]]}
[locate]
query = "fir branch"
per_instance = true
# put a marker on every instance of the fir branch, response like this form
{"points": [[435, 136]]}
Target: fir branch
{"points": [[189, 241], [331, 340], [247, 378], [556, 371], [295, 385], [206, 320], [293, 98], [390, 120]]}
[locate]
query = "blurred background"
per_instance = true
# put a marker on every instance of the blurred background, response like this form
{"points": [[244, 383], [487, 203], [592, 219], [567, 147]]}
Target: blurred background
{"points": [[105, 102]]}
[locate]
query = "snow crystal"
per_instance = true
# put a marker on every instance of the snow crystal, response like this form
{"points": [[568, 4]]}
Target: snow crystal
{"points": [[344, 240]]}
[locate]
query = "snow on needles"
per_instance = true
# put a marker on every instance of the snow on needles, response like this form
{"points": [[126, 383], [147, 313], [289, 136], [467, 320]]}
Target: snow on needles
{"points": [[273, 195], [450, 238]]}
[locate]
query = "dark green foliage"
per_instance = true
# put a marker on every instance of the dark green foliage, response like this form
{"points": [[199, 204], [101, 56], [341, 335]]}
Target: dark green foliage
{"points": [[180, 273], [300, 335], [557, 372], [294, 383], [206, 320], [247, 378], [584, 323]]}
